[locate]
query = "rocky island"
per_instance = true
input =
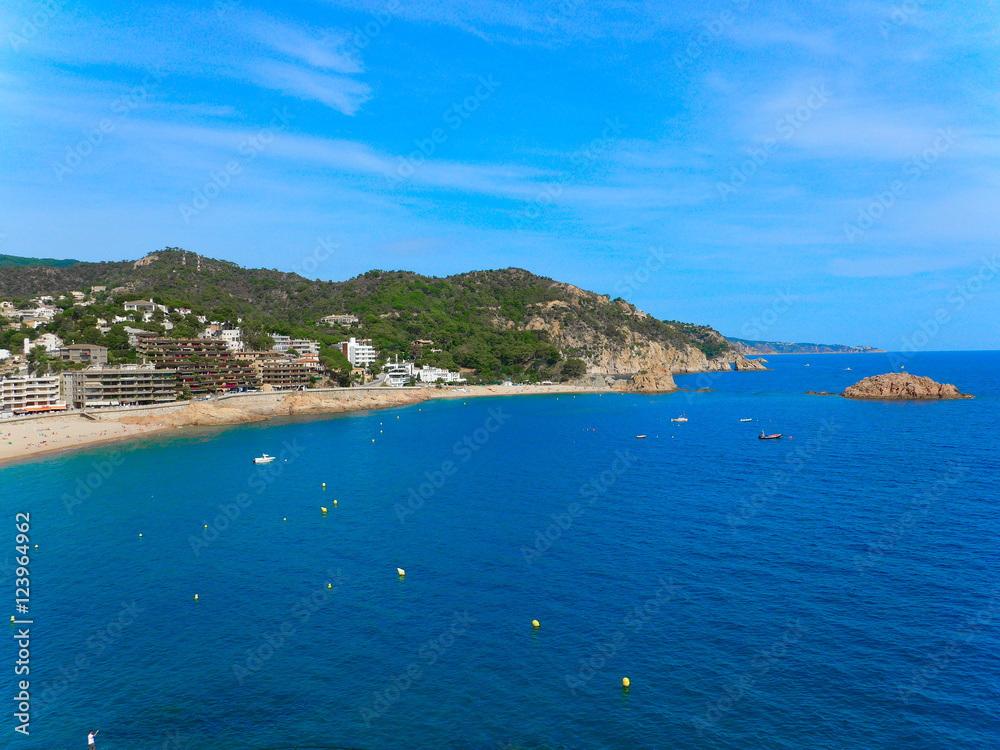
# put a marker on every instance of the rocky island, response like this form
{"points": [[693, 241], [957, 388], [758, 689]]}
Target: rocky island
{"points": [[902, 386]]}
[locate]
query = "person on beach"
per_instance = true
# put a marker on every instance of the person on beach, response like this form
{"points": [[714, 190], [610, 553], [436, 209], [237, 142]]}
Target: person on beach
{"points": [[90, 738]]}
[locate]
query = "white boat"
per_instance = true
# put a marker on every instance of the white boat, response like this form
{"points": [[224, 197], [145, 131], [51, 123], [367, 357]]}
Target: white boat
{"points": [[746, 420], [265, 459], [681, 418]]}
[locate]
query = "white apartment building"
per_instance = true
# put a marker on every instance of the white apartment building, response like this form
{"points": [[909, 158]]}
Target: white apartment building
{"points": [[359, 353], [305, 346], [282, 343], [48, 341], [233, 338], [30, 395], [343, 320], [428, 374]]}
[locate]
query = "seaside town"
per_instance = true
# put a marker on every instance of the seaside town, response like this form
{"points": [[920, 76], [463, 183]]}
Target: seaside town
{"points": [[154, 368]]}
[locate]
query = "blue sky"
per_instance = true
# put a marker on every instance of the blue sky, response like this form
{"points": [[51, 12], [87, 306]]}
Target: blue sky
{"points": [[794, 172]]}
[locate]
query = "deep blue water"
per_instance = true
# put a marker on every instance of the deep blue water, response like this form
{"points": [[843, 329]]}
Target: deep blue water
{"points": [[837, 588]]}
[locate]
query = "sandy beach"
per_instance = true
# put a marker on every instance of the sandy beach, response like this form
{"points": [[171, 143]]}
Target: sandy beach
{"points": [[27, 438]]}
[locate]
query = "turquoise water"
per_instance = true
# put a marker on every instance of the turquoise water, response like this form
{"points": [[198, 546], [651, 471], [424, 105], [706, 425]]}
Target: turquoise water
{"points": [[834, 589]]}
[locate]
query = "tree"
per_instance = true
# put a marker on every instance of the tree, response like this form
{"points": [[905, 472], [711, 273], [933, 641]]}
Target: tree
{"points": [[39, 361], [574, 368]]}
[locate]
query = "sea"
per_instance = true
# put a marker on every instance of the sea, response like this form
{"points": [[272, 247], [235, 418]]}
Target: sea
{"points": [[838, 587]]}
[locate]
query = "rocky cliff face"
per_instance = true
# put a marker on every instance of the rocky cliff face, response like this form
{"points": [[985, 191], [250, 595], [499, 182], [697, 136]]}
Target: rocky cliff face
{"points": [[902, 386], [615, 338]]}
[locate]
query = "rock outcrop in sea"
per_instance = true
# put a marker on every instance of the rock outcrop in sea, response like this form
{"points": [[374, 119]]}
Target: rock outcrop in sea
{"points": [[902, 386], [655, 379]]}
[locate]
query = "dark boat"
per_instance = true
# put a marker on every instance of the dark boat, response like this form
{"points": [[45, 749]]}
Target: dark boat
{"points": [[762, 436]]}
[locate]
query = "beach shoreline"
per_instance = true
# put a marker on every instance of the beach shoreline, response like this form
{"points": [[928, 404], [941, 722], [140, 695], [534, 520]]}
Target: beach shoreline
{"points": [[43, 436]]}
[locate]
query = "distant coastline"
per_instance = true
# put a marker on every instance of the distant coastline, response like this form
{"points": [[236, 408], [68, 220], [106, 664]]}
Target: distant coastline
{"points": [[750, 347]]}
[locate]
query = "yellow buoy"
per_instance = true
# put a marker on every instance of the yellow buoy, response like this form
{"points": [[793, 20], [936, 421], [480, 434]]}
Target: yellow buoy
{"points": [[535, 624], [401, 572], [206, 525], [12, 618], [323, 509], [373, 440], [329, 585], [625, 682], [334, 503], [140, 534], [324, 485], [196, 597], [284, 519]]}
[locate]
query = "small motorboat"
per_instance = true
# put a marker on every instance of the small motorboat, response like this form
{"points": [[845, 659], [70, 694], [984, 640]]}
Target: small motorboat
{"points": [[265, 459], [640, 437], [681, 418], [763, 436], [746, 420]]}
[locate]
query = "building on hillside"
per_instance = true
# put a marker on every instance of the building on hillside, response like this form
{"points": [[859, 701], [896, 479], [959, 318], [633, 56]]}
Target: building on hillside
{"points": [[398, 373], [340, 320], [48, 341], [428, 374], [126, 385], [87, 353], [304, 346], [5, 354], [233, 338], [22, 396], [96, 289], [204, 366], [282, 343], [140, 305], [282, 373], [359, 353], [147, 307], [135, 335]]}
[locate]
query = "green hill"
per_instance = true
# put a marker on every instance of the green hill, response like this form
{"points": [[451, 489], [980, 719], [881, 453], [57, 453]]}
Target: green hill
{"points": [[501, 323], [13, 261]]}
